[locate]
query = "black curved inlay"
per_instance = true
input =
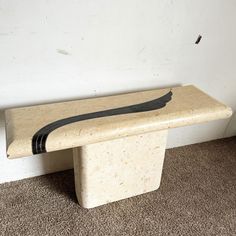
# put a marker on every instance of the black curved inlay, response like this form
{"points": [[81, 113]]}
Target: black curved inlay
{"points": [[40, 137]]}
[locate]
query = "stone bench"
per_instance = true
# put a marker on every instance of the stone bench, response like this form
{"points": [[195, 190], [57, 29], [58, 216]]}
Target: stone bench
{"points": [[118, 141]]}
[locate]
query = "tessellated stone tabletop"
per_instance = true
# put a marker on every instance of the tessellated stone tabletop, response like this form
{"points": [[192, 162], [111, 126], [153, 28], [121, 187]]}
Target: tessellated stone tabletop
{"points": [[118, 141], [102, 120]]}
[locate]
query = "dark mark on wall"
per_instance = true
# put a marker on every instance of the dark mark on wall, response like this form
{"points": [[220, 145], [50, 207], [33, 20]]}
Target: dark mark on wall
{"points": [[40, 137], [198, 39], [63, 52]]}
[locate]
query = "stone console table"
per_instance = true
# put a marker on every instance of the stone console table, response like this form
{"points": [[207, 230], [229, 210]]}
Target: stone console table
{"points": [[118, 141]]}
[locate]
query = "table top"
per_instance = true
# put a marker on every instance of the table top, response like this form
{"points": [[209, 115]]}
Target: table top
{"points": [[50, 127]]}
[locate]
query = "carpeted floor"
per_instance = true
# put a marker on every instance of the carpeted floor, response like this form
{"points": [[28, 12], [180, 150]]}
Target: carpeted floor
{"points": [[197, 197]]}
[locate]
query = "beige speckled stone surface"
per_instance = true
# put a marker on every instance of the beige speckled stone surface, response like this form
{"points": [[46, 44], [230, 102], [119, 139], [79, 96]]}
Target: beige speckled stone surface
{"points": [[118, 148], [117, 169], [189, 105]]}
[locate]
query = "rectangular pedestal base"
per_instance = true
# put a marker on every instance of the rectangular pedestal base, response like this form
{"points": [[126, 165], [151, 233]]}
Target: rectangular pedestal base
{"points": [[113, 170]]}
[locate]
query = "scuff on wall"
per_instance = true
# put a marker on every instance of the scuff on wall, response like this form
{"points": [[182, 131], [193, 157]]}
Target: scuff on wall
{"points": [[198, 39]]}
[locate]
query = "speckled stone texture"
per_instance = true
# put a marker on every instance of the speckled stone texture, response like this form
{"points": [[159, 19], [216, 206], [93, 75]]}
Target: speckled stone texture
{"points": [[196, 197], [188, 106], [113, 170]]}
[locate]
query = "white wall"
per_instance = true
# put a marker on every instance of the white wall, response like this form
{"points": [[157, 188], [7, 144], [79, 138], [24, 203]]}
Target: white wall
{"points": [[59, 50]]}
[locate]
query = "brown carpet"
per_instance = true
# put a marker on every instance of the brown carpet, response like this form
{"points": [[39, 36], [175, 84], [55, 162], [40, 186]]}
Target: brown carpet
{"points": [[197, 197]]}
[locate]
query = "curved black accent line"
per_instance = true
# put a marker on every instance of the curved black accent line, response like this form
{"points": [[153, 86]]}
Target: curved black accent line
{"points": [[40, 137]]}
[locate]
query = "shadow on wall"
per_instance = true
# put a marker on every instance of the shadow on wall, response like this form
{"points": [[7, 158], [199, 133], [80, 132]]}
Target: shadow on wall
{"points": [[231, 128], [20, 168]]}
